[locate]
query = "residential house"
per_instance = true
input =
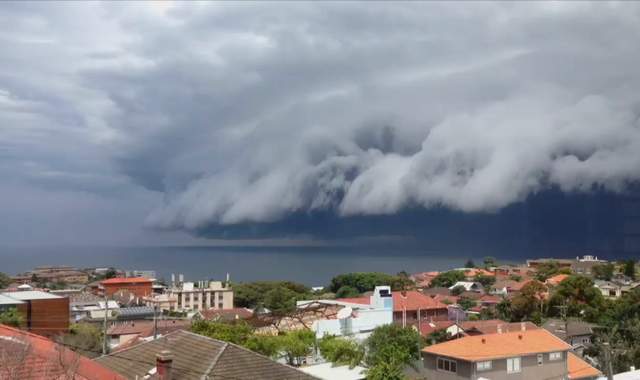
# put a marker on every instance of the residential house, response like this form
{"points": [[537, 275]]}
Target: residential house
{"points": [[138, 287], [354, 317], [504, 271], [493, 326], [452, 328], [585, 264], [556, 280], [30, 356], [577, 333], [469, 286], [43, 313], [190, 296], [227, 315], [120, 333], [529, 354], [508, 287], [608, 289], [436, 291], [580, 369], [423, 279], [184, 355]]}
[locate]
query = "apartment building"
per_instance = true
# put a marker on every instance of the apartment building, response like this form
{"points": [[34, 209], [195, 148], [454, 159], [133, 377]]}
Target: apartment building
{"points": [[194, 296], [137, 286], [516, 355]]}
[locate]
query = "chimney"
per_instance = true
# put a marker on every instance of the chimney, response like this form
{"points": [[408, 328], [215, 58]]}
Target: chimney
{"points": [[484, 341], [523, 326], [520, 336], [164, 362]]}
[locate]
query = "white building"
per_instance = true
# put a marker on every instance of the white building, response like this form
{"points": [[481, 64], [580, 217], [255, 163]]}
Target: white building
{"points": [[355, 319], [190, 296], [469, 286]]}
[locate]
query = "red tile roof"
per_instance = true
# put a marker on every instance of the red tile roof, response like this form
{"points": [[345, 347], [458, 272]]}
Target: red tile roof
{"points": [[427, 328], [409, 300], [491, 326], [579, 369], [227, 314], [555, 280], [126, 280], [496, 346], [30, 356]]}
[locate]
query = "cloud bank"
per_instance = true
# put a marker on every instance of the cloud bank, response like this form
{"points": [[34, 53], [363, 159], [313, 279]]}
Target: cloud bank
{"points": [[251, 113]]}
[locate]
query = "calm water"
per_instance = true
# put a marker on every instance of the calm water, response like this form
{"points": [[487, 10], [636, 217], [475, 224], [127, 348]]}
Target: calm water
{"points": [[309, 265]]}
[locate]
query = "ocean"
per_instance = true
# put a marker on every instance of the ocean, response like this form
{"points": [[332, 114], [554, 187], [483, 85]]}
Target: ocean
{"points": [[313, 266]]}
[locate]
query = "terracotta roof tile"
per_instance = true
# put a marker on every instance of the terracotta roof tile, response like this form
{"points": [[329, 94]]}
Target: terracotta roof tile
{"points": [[579, 369], [495, 346]]}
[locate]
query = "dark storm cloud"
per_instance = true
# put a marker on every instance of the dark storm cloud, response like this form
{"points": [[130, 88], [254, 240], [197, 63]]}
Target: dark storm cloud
{"points": [[253, 117]]}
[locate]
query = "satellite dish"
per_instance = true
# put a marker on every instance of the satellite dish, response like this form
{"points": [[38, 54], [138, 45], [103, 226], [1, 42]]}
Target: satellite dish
{"points": [[345, 313]]}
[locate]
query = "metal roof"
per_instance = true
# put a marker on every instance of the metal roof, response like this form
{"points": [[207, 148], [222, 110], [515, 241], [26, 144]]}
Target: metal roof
{"points": [[31, 295], [4, 300]]}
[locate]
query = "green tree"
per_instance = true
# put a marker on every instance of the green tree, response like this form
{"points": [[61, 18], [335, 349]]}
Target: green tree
{"points": [[252, 294], [237, 332], [281, 301], [466, 303], [11, 317], [436, 337], [515, 277], [266, 345], [529, 302], [367, 281], [629, 269], [84, 338], [546, 270], [447, 279], [486, 281], [489, 262], [457, 290], [296, 345], [469, 264], [341, 351], [347, 292], [389, 348], [603, 271], [580, 297], [4, 280]]}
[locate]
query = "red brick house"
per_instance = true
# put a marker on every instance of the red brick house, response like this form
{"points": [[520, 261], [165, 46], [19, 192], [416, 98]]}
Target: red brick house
{"points": [[138, 286]]}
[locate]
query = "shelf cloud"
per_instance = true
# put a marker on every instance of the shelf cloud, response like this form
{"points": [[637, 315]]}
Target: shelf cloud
{"points": [[243, 114]]}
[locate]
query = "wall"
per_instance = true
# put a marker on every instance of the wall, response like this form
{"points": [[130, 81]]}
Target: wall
{"points": [[138, 289], [46, 316]]}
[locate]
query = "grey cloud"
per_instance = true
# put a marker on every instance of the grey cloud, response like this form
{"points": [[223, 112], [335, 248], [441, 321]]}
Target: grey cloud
{"points": [[244, 113]]}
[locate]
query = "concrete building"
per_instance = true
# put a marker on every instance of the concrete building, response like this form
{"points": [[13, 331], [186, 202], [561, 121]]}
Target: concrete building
{"points": [[150, 274], [43, 313], [194, 296], [355, 317], [518, 355]]}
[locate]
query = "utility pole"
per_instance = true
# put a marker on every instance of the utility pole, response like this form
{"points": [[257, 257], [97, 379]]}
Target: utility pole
{"points": [[104, 327], [155, 321], [607, 356]]}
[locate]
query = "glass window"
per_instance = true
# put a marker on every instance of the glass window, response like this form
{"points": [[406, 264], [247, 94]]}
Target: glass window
{"points": [[539, 359], [513, 365], [447, 365], [483, 366], [555, 356]]}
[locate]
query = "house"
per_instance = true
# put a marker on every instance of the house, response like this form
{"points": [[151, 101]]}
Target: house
{"points": [[493, 326], [120, 333], [585, 264], [556, 280], [184, 355], [508, 287], [423, 279], [608, 289], [137, 286], [575, 332], [194, 296], [528, 354], [469, 286], [43, 313], [561, 263], [411, 306], [427, 328], [436, 291], [227, 315], [355, 317], [580, 370], [514, 270], [29, 356]]}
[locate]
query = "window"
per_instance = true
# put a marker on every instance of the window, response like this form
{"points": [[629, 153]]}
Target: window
{"points": [[483, 366], [539, 359], [220, 305], [447, 365], [513, 365], [555, 356]]}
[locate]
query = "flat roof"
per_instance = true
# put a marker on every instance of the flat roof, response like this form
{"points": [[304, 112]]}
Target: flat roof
{"points": [[30, 295], [126, 280], [4, 300]]}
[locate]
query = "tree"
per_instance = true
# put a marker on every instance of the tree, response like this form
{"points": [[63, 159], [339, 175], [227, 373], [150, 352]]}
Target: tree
{"points": [[341, 351], [347, 292], [84, 338], [237, 332], [367, 281], [486, 281], [405, 344], [469, 264], [11, 317], [438, 336], [253, 294], [390, 364], [515, 277], [529, 302], [4, 280], [580, 297], [546, 270], [447, 279], [280, 301], [489, 262], [603, 271], [297, 345], [457, 290], [629, 269], [111, 273], [266, 345], [466, 303]]}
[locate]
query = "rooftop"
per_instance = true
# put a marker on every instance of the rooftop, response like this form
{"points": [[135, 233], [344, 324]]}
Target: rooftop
{"points": [[127, 280], [496, 346], [409, 300], [579, 369], [491, 326], [30, 295], [196, 356], [5, 300], [572, 328]]}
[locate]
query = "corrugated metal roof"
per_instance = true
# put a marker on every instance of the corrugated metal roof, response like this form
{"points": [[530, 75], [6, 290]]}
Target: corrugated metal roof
{"points": [[31, 295], [4, 300]]}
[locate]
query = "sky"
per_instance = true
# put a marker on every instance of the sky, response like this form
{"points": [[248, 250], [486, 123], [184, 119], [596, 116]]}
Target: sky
{"points": [[192, 123]]}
